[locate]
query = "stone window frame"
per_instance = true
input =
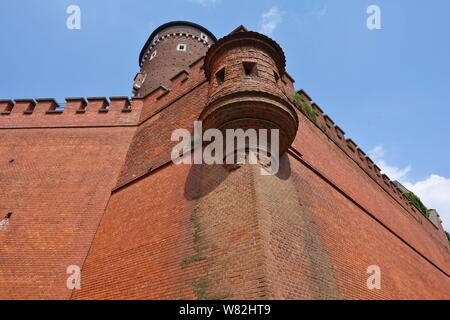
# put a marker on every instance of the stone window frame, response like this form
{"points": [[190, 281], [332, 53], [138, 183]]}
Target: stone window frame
{"points": [[155, 39], [204, 37], [181, 47]]}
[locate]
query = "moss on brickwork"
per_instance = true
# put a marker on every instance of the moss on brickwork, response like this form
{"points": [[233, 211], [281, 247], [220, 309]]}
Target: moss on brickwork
{"points": [[197, 240], [200, 286], [300, 101]]}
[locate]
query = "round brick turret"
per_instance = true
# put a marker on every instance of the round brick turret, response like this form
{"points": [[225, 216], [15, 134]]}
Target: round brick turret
{"points": [[171, 48], [244, 70]]}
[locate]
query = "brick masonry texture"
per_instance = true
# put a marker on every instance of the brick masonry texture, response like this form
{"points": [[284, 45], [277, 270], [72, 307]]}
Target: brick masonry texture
{"points": [[95, 187], [168, 61], [248, 100], [57, 188]]}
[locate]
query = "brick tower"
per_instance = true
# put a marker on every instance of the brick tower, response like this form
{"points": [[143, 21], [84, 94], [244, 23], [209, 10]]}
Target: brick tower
{"points": [[244, 71], [170, 49], [92, 185]]}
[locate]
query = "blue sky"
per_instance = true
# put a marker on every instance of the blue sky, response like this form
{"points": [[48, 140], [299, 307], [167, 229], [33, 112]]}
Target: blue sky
{"points": [[389, 89]]}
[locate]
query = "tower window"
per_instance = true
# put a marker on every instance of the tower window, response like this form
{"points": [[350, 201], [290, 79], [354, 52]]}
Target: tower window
{"points": [[153, 55], [277, 77], [139, 80], [203, 37], [250, 69], [181, 47], [220, 76]]}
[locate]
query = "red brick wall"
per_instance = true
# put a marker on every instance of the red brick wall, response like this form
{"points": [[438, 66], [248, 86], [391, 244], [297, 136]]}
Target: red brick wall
{"points": [[184, 237], [203, 232], [199, 232], [326, 156], [151, 146], [57, 188], [339, 241], [142, 241]]}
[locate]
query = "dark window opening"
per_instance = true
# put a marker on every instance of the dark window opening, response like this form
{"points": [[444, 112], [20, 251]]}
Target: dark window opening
{"points": [[250, 69], [181, 47], [220, 76], [8, 215], [277, 77]]}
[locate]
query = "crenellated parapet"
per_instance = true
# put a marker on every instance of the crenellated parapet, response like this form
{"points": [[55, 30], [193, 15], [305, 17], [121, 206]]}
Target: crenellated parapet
{"points": [[101, 111], [351, 149], [246, 71], [75, 112]]}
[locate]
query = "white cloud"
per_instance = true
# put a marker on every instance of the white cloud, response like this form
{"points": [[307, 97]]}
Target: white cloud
{"points": [[270, 20], [434, 191], [435, 194], [377, 152], [395, 173], [205, 3]]}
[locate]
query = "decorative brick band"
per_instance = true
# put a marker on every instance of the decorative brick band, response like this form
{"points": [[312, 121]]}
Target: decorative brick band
{"points": [[171, 35]]}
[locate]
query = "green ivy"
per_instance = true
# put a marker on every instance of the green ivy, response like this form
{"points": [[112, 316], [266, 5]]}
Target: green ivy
{"points": [[448, 236], [300, 101], [418, 203]]}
